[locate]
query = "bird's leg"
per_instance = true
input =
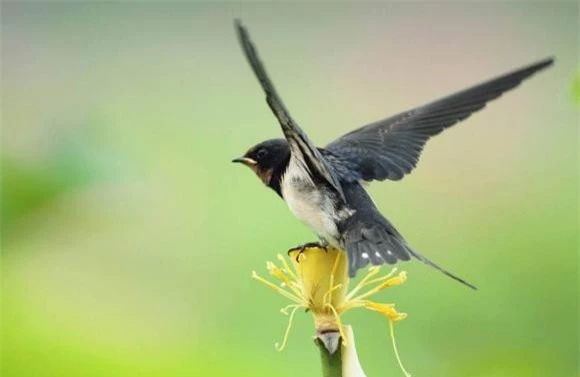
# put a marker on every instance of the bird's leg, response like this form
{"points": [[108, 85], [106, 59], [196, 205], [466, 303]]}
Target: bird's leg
{"points": [[323, 244], [303, 247]]}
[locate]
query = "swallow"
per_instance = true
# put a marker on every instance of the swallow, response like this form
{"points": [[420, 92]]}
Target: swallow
{"points": [[323, 187]]}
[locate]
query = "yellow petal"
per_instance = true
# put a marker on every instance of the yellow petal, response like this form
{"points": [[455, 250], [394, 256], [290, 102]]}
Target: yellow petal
{"points": [[321, 271], [387, 310]]}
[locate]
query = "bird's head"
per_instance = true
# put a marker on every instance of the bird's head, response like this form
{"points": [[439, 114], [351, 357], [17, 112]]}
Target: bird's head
{"points": [[267, 159]]}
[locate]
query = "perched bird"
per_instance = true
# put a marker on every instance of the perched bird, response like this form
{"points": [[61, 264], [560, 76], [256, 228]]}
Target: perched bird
{"points": [[323, 186]]}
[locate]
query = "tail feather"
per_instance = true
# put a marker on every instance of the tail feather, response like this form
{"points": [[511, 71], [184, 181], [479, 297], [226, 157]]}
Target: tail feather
{"points": [[437, 267], [375, 245], [378, 245]]}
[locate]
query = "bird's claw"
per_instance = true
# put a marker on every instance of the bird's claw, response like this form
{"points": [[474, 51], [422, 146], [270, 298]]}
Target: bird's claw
{"points": [[303, 247]]}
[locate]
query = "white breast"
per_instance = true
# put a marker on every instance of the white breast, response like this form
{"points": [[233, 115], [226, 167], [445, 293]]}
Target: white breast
{"points": [[311, 206]]}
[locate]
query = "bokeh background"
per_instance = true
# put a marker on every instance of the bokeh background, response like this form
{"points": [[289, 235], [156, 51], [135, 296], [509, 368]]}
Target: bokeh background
{"points": [[128, 237]]}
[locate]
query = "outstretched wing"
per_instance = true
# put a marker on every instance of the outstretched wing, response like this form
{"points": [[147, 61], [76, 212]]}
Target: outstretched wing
{"points": [[390, 148], [300, 145]]}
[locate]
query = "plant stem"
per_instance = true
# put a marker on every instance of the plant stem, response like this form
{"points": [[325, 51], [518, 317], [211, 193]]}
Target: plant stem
{"points": [[331, 362]]}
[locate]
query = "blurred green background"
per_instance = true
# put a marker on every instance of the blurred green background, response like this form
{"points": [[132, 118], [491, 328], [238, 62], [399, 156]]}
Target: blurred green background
{"points": [[128, 237]]}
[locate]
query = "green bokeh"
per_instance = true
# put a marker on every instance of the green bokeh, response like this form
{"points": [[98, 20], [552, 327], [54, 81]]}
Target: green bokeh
{"points": [[128, 237]]}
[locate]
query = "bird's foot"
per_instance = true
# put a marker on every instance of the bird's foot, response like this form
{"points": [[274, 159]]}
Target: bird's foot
{"points": [[303, 247]]}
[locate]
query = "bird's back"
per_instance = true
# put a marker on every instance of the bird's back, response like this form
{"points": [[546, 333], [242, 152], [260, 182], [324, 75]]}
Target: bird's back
{"points": [[364, 209]]}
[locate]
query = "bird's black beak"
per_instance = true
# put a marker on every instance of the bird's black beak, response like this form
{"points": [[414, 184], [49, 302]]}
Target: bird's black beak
{"points": [[246, 161]]}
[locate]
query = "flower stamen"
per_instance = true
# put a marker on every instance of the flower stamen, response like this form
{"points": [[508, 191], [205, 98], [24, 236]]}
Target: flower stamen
{"points": [[317, 281], [284, 310], [287, 268], [277, 289], [339, 324], [327, 298], [283, 277], [364, 281], [331, 285], [399, 279], [287, 332], [392, 335], [383, 278]]}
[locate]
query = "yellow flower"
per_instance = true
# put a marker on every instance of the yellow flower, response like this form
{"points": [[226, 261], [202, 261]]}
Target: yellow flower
{"points": [[317, 280]]}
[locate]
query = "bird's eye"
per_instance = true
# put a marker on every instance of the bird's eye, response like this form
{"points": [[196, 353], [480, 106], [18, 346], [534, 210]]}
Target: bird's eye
{"points": [[261, 154]]}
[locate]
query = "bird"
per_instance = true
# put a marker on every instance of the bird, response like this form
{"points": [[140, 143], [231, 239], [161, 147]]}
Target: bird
{"points": [[325, 187]]}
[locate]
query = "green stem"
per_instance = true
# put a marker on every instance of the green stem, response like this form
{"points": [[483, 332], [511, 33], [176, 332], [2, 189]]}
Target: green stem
{"points": [[331, 362]]}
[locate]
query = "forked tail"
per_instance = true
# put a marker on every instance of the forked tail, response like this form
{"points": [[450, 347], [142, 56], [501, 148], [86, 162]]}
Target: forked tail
{"points": [[434, 265], [382, 244]]}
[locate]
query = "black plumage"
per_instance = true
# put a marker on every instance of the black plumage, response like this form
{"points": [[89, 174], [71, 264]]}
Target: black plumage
{"points": [[298, 140], [322, 186], [390, 148]]}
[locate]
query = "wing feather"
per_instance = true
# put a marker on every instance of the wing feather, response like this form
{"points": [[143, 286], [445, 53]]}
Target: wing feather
{"points": [[300, 145], [390, 148]]}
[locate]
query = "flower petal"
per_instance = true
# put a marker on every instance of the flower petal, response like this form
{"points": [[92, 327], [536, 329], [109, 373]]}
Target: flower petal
{"points": [[387, 310], [321, 271]]}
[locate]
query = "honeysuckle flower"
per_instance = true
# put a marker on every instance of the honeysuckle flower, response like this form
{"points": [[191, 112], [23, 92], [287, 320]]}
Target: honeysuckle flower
{"points": [[317, 280]]}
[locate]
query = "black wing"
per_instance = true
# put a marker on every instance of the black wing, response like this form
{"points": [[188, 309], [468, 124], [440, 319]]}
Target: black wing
{"points": [[390, 148], [300, 144]]}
